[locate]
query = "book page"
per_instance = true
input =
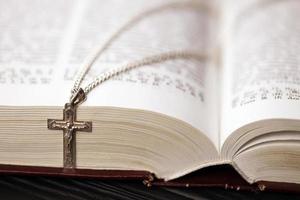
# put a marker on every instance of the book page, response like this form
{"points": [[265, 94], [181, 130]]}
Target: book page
{"points": [[261, 62], [30, 40], [45, 43]]}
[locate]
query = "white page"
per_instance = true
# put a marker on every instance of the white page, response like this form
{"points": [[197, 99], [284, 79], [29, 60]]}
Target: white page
{"points": [[71, 29], [261, 62]]}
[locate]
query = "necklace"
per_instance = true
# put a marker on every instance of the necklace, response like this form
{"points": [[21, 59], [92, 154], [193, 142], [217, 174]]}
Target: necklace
{"points": [[69, 124]]}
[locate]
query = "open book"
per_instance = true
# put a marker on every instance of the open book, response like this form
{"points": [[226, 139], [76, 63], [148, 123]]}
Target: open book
{"points": [[239, 106]]}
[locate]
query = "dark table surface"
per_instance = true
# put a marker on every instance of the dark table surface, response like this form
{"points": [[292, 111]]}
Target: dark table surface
{"points": [[26, 187]]}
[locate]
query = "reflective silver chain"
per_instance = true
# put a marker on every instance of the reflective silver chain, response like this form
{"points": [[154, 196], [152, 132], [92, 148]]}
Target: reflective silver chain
{"points": [[153, 59]]}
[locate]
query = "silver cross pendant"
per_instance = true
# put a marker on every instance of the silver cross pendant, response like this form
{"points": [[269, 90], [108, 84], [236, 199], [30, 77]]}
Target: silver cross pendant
{"points": [[70, 126]]}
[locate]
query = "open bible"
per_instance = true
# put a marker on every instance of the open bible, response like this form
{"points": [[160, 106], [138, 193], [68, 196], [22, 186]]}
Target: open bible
{"points": [[238, 106]]}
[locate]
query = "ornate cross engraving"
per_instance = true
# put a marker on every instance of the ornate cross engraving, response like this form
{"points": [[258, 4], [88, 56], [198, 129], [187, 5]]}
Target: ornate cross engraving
{"points": [[69, 125]]}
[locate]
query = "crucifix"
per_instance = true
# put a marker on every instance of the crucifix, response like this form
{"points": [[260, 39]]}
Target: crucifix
{"points": [[70, 125]]}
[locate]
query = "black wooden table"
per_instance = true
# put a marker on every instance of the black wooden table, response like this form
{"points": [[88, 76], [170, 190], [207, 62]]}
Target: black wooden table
{"points": [[46, 188]]}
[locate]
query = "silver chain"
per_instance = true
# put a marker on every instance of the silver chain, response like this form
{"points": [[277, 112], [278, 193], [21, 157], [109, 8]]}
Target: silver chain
{"points": [[153, 59]]}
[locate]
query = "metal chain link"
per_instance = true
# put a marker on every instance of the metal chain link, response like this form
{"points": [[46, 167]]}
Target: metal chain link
{"points": [[153, 59]]}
